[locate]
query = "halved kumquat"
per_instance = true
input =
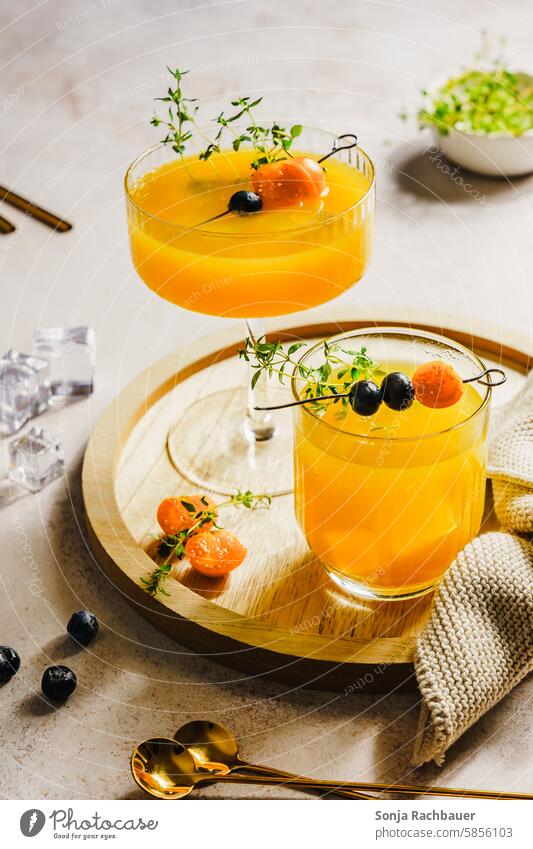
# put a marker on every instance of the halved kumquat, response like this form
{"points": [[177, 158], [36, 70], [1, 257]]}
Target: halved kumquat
{"points": [[288, 182], [174, 514], [437, 385], [215, 553]]}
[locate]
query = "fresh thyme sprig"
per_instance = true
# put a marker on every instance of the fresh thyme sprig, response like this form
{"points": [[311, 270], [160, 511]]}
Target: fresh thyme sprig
{"points": [[334, 376], [173, 546], [271, 143], [180, 114]]}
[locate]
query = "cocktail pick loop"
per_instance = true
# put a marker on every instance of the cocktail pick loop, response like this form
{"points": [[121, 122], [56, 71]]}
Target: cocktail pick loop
{"points": [[354, 141], [490, 382], [477, 378]]}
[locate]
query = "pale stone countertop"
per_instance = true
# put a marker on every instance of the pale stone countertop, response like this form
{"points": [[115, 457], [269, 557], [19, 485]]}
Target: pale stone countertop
{"points": [[77, 83]]}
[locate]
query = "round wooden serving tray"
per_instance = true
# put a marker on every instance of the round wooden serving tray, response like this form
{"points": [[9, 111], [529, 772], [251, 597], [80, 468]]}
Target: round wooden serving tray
{"points": [[278, 615]]}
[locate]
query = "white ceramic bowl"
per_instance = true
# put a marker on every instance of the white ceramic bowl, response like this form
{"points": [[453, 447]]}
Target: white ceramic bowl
{"points": [[494, 155]]}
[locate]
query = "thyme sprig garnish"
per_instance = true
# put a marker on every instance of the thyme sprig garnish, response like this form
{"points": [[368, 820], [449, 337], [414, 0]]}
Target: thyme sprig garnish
{"points": [[340, 369], [173, 546], [180, 114], [271, 143]]}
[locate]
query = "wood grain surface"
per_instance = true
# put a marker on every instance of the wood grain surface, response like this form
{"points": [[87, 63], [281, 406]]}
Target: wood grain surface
{"points": [[278, 615]]}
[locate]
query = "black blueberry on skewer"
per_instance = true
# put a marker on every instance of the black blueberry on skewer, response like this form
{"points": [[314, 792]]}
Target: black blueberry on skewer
{"points": [[244, 202], [9, 663], [397, 391], [365, 397], [82, 627], [58, 683]]}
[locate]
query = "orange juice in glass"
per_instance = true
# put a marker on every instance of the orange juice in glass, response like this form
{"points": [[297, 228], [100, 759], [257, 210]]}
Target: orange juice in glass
{"points": [[275, 262], [247, 266], [387, 501]]}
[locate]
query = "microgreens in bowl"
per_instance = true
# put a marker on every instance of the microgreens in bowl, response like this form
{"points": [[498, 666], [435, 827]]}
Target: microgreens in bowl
{"points": [[486, 102]]}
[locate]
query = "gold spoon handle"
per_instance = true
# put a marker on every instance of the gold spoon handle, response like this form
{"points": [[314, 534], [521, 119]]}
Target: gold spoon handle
{"points": [[409, 789], [287, 781], [258, 770], [454, 792], [30, 208], [6, 226]]}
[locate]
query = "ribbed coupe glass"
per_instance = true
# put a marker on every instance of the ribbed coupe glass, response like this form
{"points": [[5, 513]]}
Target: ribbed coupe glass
{"points": [[247, 267]]}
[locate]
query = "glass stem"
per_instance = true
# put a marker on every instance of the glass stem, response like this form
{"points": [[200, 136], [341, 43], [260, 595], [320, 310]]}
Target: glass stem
{"points": [[258, 426]]}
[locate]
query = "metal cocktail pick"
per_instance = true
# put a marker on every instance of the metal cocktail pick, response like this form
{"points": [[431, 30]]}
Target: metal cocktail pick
{"points": [[335, 149], [477, 378], [353, 142]]}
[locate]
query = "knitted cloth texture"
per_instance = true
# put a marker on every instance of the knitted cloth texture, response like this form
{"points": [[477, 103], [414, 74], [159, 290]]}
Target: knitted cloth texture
{"points": [[478, 643], [510, 462]]}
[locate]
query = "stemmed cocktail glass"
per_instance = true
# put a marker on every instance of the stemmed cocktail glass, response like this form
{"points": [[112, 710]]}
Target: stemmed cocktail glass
{"points": [[249, 267]]}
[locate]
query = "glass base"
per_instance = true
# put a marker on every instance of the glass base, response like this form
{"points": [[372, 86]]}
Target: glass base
{"points": [[366, 591], [213, 446]]}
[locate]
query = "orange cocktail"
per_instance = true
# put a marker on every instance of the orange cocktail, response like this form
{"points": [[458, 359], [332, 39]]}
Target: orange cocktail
{"points": [[387, 501], [247, 266], [305, 239]]}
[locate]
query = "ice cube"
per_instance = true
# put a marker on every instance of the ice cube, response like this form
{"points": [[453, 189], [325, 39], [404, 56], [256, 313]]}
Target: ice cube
{"points": [[17, 383], [70, 352], [40, 395], [35, 459]]}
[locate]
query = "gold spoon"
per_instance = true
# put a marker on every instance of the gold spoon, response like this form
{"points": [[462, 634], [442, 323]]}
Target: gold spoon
{"points": [[30, 208], [214, 748], [167, 770]]}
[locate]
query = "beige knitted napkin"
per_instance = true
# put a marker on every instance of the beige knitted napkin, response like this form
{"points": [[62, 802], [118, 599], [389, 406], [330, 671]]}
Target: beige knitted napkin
{"points": [[510, 463], [478, 643]]}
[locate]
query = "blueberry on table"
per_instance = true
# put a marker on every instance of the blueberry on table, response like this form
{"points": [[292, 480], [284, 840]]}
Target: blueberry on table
{"points": [[58, 683], [9, 663], [365, 397], [244, 202], [397, 391], [82, 627]]}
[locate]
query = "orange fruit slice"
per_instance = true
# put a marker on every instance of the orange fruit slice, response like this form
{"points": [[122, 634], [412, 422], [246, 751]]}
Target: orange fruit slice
{"points": [[215, 553], [315, 171], [288, 182], [173, 515], [437, 385]]}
